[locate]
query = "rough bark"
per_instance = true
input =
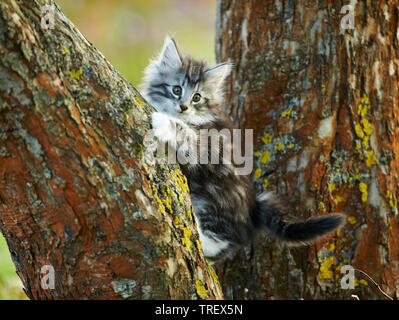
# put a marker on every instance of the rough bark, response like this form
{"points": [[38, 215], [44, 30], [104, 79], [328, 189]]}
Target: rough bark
{"points": [[76, 191], [323, 103]]}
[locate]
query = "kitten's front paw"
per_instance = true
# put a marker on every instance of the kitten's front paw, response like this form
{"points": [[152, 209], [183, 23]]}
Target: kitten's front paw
{"points": [[162, 128]]}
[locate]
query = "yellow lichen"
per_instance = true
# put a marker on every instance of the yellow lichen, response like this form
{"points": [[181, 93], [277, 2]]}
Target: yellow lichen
{"points": [[258, 173], [265, 183], [279, 146], [201, 290], [325, 269], [358, 175], [363, 129], [76, 74], [366, 127], [65, 50], [363, 282], [393, 202], [286, 113], [370, 158], [180, 181], [213, 273], [352, 220], [363, 190], [167, 201], [186, 238], [362, 110], [186, 241], [164, 195], [158, 201], [265, 157], [359, 131], [139, 102], [392, 199], [365, 141], [331, 187], [199, 246], [267, 138], [364, 99]]}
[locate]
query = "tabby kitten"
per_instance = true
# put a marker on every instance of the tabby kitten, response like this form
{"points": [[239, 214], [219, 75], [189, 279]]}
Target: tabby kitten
{"points": [[189, 97]]}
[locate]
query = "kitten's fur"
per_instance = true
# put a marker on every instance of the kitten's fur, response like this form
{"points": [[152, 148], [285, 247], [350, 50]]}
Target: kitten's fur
{"points": [[228, 211]]}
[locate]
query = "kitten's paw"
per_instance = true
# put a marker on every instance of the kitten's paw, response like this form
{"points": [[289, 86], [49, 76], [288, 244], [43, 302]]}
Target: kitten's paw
{"points": [[161, 127]]}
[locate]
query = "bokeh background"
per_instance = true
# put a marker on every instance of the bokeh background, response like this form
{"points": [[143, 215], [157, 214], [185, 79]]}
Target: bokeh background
{"points": [[129, 33]]}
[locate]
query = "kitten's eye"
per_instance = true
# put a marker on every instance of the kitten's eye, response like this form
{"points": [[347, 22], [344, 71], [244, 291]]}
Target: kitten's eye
{"points": [[196, 98], [177, 90]]}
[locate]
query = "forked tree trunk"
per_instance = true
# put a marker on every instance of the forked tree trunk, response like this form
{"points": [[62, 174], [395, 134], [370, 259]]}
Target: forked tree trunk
{"points": [[323, 103], [77, 194]]}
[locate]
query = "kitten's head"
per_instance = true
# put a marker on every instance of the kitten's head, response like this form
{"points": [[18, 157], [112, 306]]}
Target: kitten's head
{"points": [[183, 87]]}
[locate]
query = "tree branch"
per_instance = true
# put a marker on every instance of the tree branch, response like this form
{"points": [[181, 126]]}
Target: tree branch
{"points": [[76, 192]]}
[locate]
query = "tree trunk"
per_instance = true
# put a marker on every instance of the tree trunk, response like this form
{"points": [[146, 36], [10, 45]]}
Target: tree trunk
{"points": [[323, 103], [77, 194]]}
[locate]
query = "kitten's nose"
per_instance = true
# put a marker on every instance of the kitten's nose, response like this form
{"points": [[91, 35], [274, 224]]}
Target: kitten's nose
{"points": [[183, 107]]}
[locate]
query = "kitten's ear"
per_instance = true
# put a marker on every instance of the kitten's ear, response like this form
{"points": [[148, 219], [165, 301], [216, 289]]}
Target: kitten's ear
{"points": [[217, 74], [169, 57]]}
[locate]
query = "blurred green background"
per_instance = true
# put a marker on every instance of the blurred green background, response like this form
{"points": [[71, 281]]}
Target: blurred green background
{"points": [[129, 33]]}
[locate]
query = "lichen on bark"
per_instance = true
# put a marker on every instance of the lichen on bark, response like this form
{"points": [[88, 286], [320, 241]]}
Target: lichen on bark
{"points": [[326, 131], [76, 191]]}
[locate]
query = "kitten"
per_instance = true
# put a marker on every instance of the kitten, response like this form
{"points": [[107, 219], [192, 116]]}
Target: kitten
{"points": [[189, 97]]}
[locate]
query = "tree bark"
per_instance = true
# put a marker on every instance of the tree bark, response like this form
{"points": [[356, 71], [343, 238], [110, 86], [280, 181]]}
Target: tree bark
{"points": [[76, 190], [323, 103]]}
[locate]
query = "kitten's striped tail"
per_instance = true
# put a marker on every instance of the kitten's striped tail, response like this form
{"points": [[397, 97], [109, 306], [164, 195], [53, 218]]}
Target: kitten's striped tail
{"points": [[269, 214]]}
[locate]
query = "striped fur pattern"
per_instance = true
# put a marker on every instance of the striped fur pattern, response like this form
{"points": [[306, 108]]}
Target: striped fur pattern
{"points": [[228, 211]]}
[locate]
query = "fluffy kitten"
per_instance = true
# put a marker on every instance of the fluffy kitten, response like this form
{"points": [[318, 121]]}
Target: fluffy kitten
{"points": [[188, 96]]}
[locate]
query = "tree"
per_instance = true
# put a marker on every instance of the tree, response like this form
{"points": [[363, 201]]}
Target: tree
{"points": [[78, 199], [319, 88]]}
